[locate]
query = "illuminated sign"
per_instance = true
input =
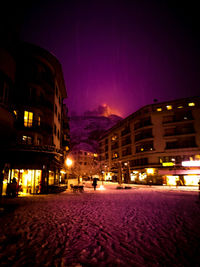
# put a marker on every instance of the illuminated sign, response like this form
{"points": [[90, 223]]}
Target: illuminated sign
{"points": [[191, 163], [166, 164]]}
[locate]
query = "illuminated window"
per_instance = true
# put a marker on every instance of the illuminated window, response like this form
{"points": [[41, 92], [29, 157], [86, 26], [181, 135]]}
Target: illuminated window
{"points": [[169, 107], [114, 137], [39, 121], [159, 109], [15, 112], [180, 106], [191, 104], [27, 140], [115, 155], [28, 119]]}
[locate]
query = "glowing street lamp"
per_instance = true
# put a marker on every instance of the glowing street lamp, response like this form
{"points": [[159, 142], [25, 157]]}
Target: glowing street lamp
{"points": [[69, 162]]}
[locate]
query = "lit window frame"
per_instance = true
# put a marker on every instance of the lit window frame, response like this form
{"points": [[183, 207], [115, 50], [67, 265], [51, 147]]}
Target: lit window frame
{"points": [[28, 118]]}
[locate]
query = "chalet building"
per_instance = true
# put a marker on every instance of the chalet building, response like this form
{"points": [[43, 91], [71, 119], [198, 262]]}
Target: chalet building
{"points": [[36, 149], [158, 144]]}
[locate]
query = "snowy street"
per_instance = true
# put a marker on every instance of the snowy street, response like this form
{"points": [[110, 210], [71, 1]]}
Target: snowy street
{"points": [[142, 226]]}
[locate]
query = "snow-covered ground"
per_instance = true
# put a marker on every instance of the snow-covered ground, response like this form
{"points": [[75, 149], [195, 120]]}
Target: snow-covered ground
{"points": [[141, 226]]}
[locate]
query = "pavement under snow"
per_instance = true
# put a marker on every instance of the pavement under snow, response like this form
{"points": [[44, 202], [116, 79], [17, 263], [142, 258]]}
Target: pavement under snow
{"points": [[141, 226]]}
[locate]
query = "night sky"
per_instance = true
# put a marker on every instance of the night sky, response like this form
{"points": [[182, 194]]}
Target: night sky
{"points": [[121, 53]]}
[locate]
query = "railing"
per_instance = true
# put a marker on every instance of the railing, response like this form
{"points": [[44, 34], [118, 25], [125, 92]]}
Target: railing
{"points": [[115, 146], [44, 148], [143, 136]]}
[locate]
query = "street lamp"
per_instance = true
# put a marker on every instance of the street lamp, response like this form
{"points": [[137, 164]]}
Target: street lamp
{"points": [[68, 163]]}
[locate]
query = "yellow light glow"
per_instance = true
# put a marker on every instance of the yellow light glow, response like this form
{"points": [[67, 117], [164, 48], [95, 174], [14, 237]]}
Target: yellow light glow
{"points": [[142, 176], [142, 149], [150, 171], [180, 106], [28, 119], [169, 107], [114, 137], [165, 164], [159, 109], [171, 180], [15, 112], [69, 162], [191, 163], [95, 155], [191, 104], [191, 179], [101, 187], [108, 176]]}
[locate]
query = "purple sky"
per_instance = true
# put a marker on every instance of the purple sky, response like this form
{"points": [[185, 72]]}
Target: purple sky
{"points": [[120, 53]]}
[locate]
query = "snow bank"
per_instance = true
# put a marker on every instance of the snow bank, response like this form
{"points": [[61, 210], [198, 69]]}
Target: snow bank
{"points": [[136, 227]]}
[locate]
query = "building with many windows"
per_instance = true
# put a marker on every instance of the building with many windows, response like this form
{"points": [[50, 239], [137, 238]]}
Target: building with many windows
{"points": [[35, 153], [85, 162], [158, 144]]}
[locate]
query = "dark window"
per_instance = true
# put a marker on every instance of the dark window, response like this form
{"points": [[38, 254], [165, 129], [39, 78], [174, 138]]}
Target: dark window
{"points": [[126, 141], [38, 141], [56, 109], [182, 143], [126, 151], [125, 131], [143, 123]]}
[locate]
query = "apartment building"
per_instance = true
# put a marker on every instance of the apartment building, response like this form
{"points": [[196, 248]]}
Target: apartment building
{"points": [[35, 153], [158, 144], [85, 162]]}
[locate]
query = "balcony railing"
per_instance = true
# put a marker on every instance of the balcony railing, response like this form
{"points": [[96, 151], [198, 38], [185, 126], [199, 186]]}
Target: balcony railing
{"points": [[142, 124], [125, 132], [44, 148], [34, 126], [181, 132], [143, 136], [115, 146]]}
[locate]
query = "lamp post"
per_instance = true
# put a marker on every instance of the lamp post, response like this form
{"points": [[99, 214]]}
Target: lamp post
{"points": [[177, 181], [68, 163]]}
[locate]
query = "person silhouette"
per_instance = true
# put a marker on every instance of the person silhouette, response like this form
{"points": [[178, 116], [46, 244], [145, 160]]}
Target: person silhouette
{"points": [[94, 183]]}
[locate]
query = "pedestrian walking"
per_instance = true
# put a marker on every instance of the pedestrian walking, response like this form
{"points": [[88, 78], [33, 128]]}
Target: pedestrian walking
{"points": [[14, 188], [94, 183]]}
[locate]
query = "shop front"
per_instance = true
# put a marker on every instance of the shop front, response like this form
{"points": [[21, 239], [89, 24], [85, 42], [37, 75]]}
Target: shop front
{"points": [[181, 177], [29, 181]]}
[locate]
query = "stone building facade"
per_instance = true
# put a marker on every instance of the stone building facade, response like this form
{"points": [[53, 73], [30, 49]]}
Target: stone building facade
{"points": [[34, 154]]}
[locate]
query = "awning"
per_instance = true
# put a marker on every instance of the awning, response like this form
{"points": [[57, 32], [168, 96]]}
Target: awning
{"points": [[178, 172]]}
